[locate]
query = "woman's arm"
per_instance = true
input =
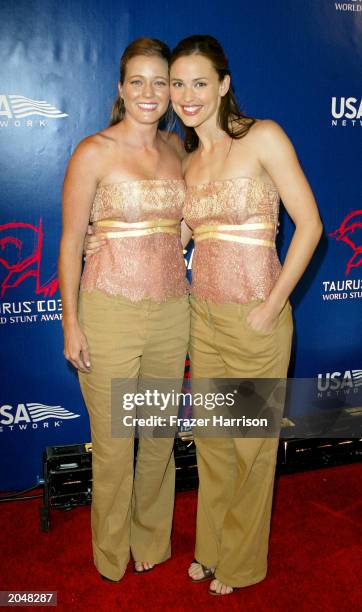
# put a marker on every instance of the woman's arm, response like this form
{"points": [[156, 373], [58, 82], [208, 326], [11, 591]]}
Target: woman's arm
{"points": [[186, 234], [277, 156], [186, 231], [80, 184]]}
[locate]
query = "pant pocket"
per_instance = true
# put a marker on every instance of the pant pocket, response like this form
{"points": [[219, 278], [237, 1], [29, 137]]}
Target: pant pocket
{"points": [[247, 308]]}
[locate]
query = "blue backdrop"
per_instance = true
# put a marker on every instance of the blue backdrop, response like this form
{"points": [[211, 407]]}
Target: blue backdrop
{"points": [[296, 61]]}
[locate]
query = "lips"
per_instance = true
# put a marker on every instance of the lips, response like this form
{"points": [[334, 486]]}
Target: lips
{"points": [[147, 106], [191, 110]]}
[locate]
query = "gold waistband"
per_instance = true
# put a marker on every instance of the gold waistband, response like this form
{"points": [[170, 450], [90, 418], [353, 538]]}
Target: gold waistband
{"points": [[203, 232], [139, 228]]}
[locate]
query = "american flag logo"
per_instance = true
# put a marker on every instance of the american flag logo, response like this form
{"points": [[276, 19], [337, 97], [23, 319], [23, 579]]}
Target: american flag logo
{"points": [[40, 412], [25, 107], [357, 377]]}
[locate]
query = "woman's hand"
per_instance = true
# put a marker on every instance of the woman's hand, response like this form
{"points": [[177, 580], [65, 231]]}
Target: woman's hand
{"points": [[263, 317], [76, 347], [92, 242]]}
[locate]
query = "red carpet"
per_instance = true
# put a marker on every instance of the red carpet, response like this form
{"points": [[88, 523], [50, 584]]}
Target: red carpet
{"points": [[315, 554]]}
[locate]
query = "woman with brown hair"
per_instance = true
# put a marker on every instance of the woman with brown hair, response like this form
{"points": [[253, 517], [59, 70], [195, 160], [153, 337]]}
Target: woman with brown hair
{"points": [[127, 316], [241, 323]]}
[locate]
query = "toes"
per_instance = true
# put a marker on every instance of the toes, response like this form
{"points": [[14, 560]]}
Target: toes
{"points": [[197, 574], [148, 565], [195, 571], [141, 566], [220, 587]]}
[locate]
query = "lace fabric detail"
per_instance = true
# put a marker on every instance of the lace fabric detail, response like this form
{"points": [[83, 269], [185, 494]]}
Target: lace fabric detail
{"points": [[230, 272], [139, 200], [145, 267]]}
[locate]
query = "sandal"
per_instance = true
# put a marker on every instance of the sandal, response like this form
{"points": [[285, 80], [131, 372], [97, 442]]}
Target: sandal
{"points": [[208, 573]]}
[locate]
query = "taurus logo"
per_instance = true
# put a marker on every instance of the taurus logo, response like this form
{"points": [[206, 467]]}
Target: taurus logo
{"points": [[348, 233], [15, 238]]}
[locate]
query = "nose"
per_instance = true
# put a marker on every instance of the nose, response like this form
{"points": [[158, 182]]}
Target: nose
{"points": [[188, 94], [148, 90]]}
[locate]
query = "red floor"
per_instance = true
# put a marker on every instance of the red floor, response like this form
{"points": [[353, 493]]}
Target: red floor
{"points": [[315, 559]]}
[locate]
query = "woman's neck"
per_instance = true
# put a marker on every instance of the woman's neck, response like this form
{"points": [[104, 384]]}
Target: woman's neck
{"points": [[211, 136], [138, 135]]}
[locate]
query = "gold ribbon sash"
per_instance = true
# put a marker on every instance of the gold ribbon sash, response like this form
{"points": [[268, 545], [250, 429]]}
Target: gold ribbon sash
{"points": [[139, 228], [203, 232]]}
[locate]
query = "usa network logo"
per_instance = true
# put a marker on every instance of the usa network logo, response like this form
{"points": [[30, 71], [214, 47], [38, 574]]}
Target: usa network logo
{"points": [[336, 383], [346, 112], [21, 254], [16, 110], [33, 415]]}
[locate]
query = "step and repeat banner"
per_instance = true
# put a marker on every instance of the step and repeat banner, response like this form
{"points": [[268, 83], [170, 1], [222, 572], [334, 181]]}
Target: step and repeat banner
{"points": [[296, 61]]}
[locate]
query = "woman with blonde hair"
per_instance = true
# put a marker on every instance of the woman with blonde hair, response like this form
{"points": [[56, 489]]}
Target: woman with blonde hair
{"points": [[127, 316]]}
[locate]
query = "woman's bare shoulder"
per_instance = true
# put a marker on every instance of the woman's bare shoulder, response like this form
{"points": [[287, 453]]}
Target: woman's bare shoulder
{"points": [[95, 145], [266, 130]]}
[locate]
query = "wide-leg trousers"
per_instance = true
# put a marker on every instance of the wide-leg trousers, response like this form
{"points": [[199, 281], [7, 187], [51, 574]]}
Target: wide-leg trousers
{"points": [[131, 510], [236, 475]]}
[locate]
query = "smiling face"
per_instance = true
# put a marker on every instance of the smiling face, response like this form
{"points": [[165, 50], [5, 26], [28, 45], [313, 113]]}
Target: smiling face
{"points": [[196, 90], [145, 89]]}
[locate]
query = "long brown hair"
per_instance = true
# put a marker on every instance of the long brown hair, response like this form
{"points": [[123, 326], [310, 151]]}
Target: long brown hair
{"points": [[230, 117], [141, 46]]}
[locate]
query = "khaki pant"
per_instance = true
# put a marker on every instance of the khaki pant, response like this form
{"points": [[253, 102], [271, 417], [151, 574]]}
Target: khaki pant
{"points": [[130, 511], [236, 474]]}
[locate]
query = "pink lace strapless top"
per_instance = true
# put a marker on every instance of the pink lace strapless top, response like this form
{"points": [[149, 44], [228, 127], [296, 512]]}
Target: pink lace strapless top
{"points": [[146, 263], [234, 223]]}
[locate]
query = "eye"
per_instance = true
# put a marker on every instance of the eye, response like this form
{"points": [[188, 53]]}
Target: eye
{"points": [[136, 82], [200, 84], [176, 84], [161, 83]]}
